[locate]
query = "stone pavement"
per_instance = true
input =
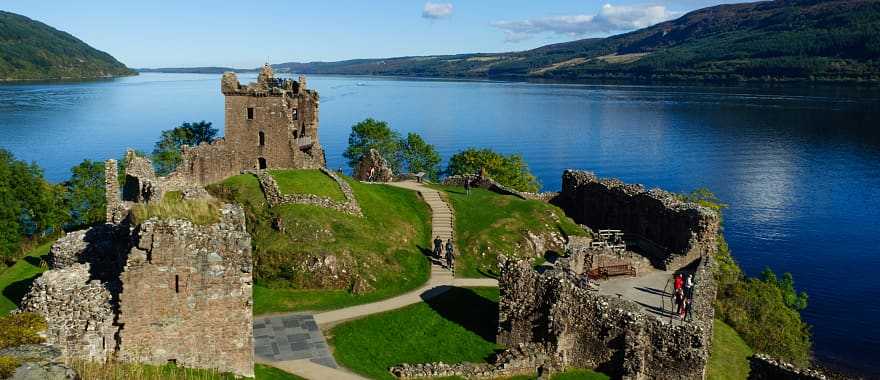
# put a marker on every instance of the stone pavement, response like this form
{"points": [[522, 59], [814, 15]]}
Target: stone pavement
{"points": [[291, 337], [308, 356], [651, 290]]}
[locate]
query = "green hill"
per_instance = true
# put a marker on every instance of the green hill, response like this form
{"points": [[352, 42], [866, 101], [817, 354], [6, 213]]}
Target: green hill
{"points": [[836, 40], [31, 50]]}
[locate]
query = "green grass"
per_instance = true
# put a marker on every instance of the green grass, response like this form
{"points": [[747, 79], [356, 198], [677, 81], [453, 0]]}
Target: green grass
{"points": [[264, 372], [307, 182], [16, 280], [384, 247], [488, 223], [729, 357], [173, 206], [457, 326]]}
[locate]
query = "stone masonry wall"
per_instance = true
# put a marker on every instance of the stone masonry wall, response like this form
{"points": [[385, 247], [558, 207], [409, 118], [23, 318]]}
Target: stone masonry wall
{"points": [[160, 291], [763, 367], [78, 312], [586, 330], [187, 295], [677, 232], [275, 198]]}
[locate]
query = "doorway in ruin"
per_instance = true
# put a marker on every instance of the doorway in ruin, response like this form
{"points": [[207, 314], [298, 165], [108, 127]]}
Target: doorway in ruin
{"points": [[261, 162]]}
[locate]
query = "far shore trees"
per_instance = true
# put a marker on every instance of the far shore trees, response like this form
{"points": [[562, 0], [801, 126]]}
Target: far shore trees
{"points": [[508, 170], [166, 154]]}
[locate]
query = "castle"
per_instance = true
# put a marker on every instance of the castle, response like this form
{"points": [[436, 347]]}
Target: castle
{"points": [[270, 124]]}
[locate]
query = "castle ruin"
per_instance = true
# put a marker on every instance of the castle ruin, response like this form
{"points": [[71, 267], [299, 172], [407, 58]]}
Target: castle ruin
{"points": [[557, 317]]}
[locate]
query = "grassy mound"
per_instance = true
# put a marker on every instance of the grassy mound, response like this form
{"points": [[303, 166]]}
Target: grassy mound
{"points": [[384, 248], [307, 182], [488, 223], [16, 280], [729, 359]]}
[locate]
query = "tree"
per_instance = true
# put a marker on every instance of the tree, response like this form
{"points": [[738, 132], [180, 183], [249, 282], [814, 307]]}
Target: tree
{"points": [[29, 206], [85, 193], [373, 134], [166, 154], [420, 156], [508, 170]]}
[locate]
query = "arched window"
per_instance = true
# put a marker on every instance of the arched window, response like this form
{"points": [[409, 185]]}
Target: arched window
{"points": [[262, 139]]}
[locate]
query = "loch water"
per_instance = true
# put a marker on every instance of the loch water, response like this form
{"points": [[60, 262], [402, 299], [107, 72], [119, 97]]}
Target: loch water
{"points": [[798, 166]]}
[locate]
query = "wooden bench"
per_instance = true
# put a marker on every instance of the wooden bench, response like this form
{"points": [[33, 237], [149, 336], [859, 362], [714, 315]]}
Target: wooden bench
{"points": [[613, 270]]}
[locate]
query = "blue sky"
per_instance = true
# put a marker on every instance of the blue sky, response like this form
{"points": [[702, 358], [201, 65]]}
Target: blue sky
{"points": [[185, 33]]}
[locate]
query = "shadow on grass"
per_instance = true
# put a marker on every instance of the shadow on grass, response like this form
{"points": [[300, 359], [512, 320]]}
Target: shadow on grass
{"points": [[467, 309], [16, 290]]}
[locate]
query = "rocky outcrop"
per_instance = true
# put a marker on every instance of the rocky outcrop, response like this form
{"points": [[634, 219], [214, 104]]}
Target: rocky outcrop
{"points": [[373, 167], [670, 231]]}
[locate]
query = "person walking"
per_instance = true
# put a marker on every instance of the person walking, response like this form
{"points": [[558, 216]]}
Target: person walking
{"points": [[438, 247], [689, 287], [450, 256], [467, 186], [679, 282], [679, 302]]}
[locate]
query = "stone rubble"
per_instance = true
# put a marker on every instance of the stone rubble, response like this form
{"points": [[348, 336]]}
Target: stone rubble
{"points": [[379, 166]]}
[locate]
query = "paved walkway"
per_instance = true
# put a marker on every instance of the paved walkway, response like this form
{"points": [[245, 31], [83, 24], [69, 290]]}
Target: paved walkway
{"points": [[315, 365], [651, 290]]}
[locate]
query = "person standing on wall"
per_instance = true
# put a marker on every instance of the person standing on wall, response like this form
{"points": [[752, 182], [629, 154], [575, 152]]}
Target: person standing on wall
{"points": [[450, 256]]}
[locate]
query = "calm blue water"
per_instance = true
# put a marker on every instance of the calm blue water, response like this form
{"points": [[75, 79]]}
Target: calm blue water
{"points": [[799, 167]]}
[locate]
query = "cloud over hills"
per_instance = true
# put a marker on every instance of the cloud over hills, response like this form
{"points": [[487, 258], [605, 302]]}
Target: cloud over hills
{"points": [[608, 20]]}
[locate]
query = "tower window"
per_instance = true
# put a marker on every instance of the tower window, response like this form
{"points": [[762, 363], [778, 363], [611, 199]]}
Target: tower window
{"points": [[250, 113], [262, 139], [177, 283]]}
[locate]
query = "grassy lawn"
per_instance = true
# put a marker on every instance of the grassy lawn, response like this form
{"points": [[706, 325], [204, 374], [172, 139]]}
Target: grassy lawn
{"points": [[729, 357], [16, 280], [456, 326], [264, 372], [385, 247], [307, 182], [173, 206], [487, 223]]}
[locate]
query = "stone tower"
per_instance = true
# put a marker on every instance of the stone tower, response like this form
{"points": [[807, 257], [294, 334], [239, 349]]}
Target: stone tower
{"points": [[272, 123]]}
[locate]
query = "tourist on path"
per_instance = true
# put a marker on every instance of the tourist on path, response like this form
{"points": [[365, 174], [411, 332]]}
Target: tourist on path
{"points": [[467, 186], [679, 302], [679, 281], [689, 287], [450, 256], [438, 247]]}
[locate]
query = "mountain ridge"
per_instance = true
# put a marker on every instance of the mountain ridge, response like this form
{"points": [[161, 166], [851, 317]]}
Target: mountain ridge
{"points": [[781, 40], [32, 50]]}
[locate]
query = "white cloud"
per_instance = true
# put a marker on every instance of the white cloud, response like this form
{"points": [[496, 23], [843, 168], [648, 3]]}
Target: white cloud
{"points": [[610, 19], [436, 11]]}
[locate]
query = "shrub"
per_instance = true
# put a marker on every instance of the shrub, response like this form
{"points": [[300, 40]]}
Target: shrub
{"points": [[373, 134], [8, 366], [508, 170], [21, 328]]}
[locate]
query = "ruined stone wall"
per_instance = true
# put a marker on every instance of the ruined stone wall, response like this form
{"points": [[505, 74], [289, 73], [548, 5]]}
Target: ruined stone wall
{"points": [[186, 295], [78, 311], [763, 367], [275, 198], [154, 292], [208, 163], [586, 330], [490, 184], [674, 232]]}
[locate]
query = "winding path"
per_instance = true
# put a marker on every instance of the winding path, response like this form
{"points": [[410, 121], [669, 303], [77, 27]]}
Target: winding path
{"points": [[313, 360]]}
